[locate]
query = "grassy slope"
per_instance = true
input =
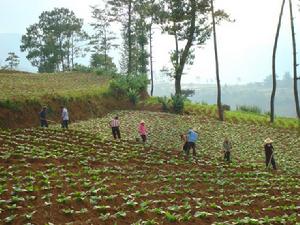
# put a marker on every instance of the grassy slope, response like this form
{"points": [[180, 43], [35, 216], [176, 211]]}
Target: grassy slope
{"points": [[19, 86], [22, 96]]}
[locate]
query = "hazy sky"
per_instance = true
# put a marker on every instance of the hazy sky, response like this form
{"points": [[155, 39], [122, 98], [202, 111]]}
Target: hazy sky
{"points": [[245, 46]]}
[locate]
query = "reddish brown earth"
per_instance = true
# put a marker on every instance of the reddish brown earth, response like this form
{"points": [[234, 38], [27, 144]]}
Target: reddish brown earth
{"points": [[79, 110]]}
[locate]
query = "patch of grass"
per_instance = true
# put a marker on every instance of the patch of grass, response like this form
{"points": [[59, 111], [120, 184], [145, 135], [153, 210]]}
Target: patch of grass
{"points": [[20, 87], [250, 109]]}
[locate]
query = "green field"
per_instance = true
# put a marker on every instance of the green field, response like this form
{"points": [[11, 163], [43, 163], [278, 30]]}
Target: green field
{"points": [[24, 86], [83, 176]]}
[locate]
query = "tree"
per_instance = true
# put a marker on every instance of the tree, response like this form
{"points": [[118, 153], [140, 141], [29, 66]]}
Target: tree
{"points": [[219, 101], [188, 22], [147, 10], [12, 60], [274, 65], [296, 78], [286, 80], [51, 43], [122, 11], [141, 31], [103, 39], [103, 62]]}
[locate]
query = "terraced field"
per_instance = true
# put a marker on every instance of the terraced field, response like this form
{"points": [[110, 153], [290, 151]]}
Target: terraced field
{"points": [[82, 176]]}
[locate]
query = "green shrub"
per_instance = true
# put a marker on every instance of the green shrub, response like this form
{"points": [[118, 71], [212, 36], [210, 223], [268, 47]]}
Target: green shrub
{"points": [[133, 96], [164, 101], [251, 109], [103, 72], [118, 87], [178, 103], [128, 86], [81, 68], [10, 105]]}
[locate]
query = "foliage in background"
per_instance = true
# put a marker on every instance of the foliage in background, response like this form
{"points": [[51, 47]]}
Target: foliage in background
{"points": [[188, 22], [12, 61], [102, 62], [52, 43], [130, 86], [103, 40], [178, 103]]}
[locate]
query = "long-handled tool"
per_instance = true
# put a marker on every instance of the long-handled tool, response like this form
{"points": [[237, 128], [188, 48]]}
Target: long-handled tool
{"points": [[271, 157], [51, 121]]}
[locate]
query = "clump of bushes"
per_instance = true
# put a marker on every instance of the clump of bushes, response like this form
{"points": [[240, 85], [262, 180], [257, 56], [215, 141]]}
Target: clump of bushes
{"points": [[165, 103], [250, 109], [174, 104], [178, 103], [128, 86], [82, 68]]}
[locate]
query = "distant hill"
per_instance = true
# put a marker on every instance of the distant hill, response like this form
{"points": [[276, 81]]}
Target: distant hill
{"points": [[11, 43], [257, 94]]}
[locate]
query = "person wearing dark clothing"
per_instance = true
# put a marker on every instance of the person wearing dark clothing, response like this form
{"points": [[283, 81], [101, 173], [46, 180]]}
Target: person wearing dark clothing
{"points": [[269, 153], [192, 137], [43, 117], [185, 146], [115, 127], [227, 149]]}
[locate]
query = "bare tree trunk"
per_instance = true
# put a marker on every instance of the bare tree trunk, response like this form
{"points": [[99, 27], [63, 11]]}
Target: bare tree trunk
{"points": [[129, 69], [72, 53], [151, 59], [177, 76], [272, 114], [294, 61], [219, 102], [185, 53], [105, 51]]}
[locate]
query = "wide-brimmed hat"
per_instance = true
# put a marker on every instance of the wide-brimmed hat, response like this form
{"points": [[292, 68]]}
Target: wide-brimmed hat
{"points": [[142, 121], [268, 141]]}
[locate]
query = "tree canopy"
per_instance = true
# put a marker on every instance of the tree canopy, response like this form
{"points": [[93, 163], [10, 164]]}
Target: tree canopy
{"points": [[51, 43]]}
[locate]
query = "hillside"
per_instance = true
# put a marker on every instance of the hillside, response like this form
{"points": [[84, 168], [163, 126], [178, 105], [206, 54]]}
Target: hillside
{"points": [[22, 86], [22, 96], [82, 176]]}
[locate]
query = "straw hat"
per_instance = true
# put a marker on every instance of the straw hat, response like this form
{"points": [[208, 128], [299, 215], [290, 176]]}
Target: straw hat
{"points": [[142, 121], [268, 141]]}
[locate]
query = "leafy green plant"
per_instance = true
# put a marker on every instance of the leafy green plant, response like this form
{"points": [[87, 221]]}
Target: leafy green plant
{"points": [[178, 103]]}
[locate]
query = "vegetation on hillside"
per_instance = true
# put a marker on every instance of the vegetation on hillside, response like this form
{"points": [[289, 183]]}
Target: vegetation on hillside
{"points": [[19, 86]]}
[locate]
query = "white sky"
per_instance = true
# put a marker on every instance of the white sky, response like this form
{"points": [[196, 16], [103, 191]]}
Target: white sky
{"points": [[245, 46]]}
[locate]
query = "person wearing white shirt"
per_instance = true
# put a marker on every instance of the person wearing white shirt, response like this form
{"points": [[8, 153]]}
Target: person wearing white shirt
{"points": [[64, 117]]}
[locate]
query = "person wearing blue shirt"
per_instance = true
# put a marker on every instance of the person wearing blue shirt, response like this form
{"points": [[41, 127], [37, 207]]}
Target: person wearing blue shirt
{"points": [[192, 137]]}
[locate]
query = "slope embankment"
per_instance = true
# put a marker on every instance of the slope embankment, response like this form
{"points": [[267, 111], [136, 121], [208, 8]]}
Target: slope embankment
{"points": [[85, 95], [27, 113]]}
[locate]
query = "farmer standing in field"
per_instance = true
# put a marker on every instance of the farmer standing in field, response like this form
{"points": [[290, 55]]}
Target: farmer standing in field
{"points": [[269, 152], [192, 137], [43, 115], [227, 149], [115, 124], [64, 117], [142, 131]]}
